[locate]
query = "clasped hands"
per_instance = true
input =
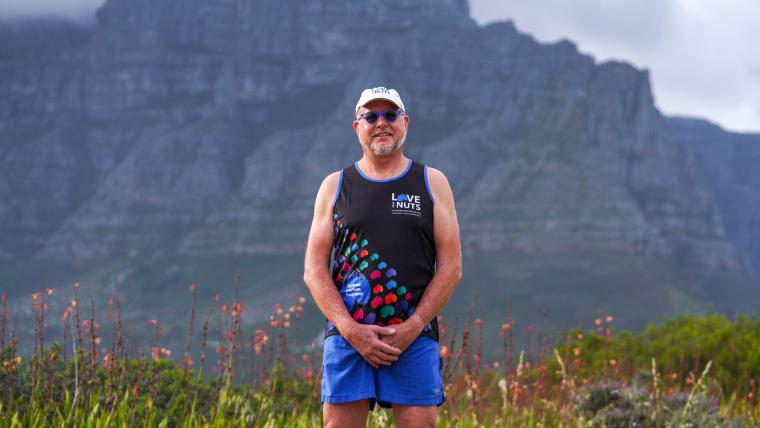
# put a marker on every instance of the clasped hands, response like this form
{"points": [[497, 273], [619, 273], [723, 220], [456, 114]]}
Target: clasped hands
{"points": [[382, 346]]}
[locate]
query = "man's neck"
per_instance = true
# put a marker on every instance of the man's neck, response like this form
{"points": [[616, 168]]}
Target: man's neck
{"points": [[383, 168]]}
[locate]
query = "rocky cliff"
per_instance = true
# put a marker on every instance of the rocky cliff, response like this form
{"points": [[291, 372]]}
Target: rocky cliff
{"points": [[728, 162], [204, 128]]}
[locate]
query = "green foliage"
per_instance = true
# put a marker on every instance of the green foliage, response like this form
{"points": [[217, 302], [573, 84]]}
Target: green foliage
{"points": [[681, 348], [690, 371]]}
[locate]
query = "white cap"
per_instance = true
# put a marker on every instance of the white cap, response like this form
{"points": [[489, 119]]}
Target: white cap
{"points": [[379, 93]]}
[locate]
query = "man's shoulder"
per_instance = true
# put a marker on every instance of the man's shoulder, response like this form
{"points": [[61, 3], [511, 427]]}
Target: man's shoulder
{"points": [[438, 183], [436, 175], [329, 185], [333, 176]]}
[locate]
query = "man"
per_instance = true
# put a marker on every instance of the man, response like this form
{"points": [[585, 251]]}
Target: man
{"points": [[381, 269]]}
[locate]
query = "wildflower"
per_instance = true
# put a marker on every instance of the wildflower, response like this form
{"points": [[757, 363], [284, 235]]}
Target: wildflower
{"points": [[286, 324], [76, 285], [135, 391], [506, 326], [216, 297], [576, 351], [580, 336], [97, 341], [224, 308], [153, 322], [496, 364], [302, 300], [478, 322], [49, 291], [192, 287], [598, 322], [503, 384], [292, 309], [444, 352], [305, 358], [110, 301], [609, 318], [36, 296], [65, 315], [299, 308], [613, 362], [73, 303]]}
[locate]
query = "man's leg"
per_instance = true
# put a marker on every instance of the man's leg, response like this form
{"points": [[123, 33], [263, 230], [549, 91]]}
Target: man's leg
{"points": [[351, 415], [415, 416]]}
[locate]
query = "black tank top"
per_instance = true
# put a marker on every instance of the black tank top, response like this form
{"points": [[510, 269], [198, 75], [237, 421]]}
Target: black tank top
{"points": [[383, 254]]}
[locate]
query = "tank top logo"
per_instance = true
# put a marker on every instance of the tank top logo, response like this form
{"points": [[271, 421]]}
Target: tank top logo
{"points": [[406, 204]]}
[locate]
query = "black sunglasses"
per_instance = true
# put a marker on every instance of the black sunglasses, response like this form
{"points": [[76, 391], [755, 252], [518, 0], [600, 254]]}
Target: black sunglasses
{"points": [[373, 116]]}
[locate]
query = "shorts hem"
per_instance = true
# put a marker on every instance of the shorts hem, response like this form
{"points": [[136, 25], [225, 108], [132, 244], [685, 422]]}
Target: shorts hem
{"points": [[407, 401], [347, 398]]}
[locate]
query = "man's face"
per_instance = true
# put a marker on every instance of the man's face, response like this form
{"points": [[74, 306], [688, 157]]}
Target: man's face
{"points": [[382, 138]]}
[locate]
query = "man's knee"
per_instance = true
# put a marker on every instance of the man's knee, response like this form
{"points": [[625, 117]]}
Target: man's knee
{"points": [[351, 414], [415, 416]]}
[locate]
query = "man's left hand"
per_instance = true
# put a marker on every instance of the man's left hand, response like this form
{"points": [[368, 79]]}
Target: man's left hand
{"points": [[405, 334]]}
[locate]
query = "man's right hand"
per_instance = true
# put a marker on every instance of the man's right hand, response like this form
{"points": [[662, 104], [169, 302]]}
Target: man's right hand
{"points": [[366, 340]]}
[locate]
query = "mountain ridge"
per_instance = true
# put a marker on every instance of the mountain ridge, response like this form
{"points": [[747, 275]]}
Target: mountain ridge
{"points": [[174, 128]]}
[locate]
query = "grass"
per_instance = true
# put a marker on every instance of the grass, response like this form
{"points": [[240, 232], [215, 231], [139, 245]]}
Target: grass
{"points": [[228, 375]]}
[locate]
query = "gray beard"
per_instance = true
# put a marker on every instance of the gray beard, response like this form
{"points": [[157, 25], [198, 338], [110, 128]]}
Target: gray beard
{"points": [[382, 151]]}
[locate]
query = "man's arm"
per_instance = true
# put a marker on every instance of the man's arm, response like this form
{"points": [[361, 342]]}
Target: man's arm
{"points": [[365, 338], [448, 270]]}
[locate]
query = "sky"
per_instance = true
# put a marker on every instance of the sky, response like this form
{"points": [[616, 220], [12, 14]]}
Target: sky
{"points": [[702, 55], [699, 53]]}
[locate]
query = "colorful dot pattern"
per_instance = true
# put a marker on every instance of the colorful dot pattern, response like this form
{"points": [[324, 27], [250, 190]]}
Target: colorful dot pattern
{"points": [[390, 302]]}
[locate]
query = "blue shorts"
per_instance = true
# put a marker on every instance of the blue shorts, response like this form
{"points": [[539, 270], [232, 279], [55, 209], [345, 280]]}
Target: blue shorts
{"points": [[413, 380]]}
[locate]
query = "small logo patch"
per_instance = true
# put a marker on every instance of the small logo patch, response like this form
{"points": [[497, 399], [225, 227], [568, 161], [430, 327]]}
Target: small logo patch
{"points": [[406, 203]]}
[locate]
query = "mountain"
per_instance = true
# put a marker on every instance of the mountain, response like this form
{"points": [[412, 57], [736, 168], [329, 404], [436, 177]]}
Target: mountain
{"points": [[181, 139], [728, 162]]}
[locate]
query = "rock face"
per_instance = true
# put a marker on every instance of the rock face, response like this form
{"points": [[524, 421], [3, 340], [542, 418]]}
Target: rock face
{"points": [[728, 163], [204, 128]]}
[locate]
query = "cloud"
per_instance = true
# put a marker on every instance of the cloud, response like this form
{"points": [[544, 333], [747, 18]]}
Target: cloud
{"points": [[72, 10], [700, 52]]}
